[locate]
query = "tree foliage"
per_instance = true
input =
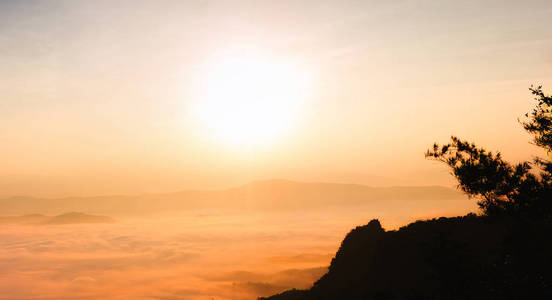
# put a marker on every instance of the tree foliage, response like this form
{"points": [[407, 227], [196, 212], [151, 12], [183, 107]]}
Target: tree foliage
{"points": [[503, 254], [521, 189]]}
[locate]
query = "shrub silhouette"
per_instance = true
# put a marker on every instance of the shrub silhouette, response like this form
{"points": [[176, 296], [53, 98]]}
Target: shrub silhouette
{"points": [[505, 253], [504, 188]]}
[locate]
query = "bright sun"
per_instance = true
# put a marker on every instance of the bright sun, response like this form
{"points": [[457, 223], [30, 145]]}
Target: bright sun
{"points": [[248, 99]]}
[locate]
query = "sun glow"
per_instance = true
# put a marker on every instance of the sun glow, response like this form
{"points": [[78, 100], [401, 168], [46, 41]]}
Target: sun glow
{"points": [[247, 99]]}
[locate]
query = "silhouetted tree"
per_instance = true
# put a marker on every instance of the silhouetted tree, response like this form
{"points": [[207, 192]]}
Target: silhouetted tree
{"points": [[503, 254], [523, 189]]}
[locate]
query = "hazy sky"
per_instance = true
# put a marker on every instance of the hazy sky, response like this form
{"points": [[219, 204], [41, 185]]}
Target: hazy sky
{"points": [[98, 97]]}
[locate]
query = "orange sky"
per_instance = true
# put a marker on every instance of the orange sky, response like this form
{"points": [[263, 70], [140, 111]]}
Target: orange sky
{"points": [[98, 97]]}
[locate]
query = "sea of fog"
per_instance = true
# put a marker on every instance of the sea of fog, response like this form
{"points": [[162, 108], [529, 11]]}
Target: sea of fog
{"points": [[186, 255]]}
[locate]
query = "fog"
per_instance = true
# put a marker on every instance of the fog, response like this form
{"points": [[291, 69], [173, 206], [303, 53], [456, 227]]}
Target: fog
{"points": [[241, 243], [196, 254]]}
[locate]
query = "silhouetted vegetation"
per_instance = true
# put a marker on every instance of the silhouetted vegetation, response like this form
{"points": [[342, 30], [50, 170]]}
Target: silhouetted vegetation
{"points": [[504, 253], [523, 189]]}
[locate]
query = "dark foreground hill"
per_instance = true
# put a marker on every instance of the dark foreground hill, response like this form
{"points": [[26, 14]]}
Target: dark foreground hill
{"points": [[470, 257], [504, 254]]}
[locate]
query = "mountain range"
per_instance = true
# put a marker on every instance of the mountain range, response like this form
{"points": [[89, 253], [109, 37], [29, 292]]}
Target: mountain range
{"points": [[66, 218], [270, 195]]}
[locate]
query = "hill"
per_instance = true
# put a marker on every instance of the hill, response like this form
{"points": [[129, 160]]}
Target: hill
{"points": [[66, 218], [261, 195], [77, 218], [470, 257]]}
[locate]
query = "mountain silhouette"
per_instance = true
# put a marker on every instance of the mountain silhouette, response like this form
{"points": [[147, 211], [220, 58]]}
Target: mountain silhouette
{"points": [[503, 254], [76, 218], [267, 195], [66, 218], [469, 257]]}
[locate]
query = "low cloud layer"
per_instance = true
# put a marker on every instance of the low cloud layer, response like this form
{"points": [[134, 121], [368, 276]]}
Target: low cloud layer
{"points": [[193, 255], [178, 257]]}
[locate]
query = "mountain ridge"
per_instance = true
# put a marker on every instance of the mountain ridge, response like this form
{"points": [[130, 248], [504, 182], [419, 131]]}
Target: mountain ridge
{"points": [[466, 257], [61, 219], [276, 194]]}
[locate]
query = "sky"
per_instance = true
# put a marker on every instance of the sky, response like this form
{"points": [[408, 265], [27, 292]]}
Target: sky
{"points": [[101, 97]]}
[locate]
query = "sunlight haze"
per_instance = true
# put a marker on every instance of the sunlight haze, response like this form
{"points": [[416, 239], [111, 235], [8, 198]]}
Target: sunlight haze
{"points": [[239, 149], [122, 77], [246, 99]]}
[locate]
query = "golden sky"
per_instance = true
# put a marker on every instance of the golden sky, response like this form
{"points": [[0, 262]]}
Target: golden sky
{"points": [[102, 97]]}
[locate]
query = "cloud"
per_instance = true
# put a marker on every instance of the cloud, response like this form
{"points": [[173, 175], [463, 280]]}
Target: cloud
{"points": [[220, 257], [302, 258], [226, 256], [259, 288], [83, 280]]}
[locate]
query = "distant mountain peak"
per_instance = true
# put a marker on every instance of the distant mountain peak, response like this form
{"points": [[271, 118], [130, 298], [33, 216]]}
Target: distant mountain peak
{"points": [[78, 217]]}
